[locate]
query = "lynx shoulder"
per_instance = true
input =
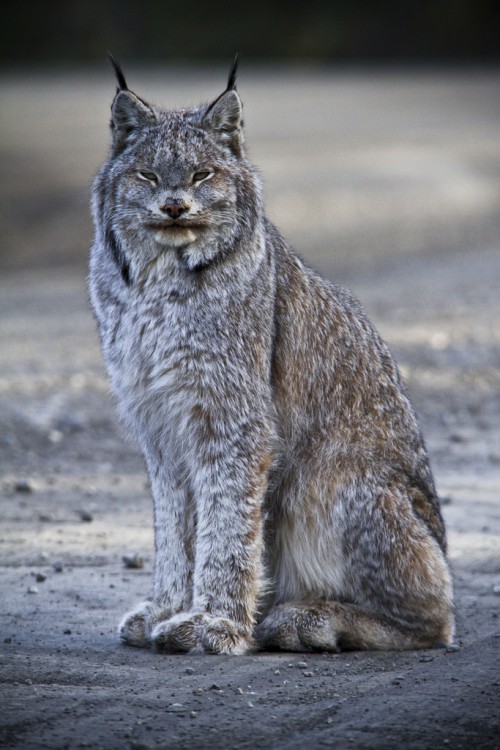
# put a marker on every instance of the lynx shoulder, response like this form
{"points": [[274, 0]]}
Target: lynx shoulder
{"points": [[294, 506]]}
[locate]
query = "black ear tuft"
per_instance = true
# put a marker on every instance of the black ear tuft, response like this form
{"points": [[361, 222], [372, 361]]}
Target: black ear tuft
{"points": [[224, 117], [122, 83], [231, 81], [129, 113]]}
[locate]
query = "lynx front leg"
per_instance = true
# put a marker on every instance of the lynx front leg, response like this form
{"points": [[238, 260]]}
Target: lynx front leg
{"points": [[174, 520], [229, 485]]}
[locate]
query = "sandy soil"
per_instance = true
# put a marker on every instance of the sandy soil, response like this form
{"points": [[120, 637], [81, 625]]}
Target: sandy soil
{"points": [[389, 182]]}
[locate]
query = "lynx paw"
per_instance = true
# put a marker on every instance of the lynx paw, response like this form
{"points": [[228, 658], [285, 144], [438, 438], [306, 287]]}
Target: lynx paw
{"points": [[202, 634], [294, 627], [135, 628]]}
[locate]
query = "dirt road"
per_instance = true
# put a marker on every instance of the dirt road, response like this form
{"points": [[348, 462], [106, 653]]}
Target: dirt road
{"points": [[387, 182]]}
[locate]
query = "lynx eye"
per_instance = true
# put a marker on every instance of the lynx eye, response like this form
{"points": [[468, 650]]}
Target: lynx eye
{"points": [[200, 176], [145, 175]]}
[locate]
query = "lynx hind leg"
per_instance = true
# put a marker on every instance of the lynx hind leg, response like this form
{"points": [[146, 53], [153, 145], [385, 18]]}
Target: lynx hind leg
{"points": [[136, 626], [332, 626], [397, 590]]}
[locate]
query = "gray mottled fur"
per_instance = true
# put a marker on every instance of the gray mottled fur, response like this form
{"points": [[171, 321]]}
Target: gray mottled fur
{"points": [[294, 506]]}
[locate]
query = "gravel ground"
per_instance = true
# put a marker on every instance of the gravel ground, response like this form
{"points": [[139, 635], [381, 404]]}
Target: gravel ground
{"points": [[388, 182]]}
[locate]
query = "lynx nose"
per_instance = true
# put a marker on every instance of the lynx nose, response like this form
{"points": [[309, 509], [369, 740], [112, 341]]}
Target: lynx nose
{"points": [[174, 208]]}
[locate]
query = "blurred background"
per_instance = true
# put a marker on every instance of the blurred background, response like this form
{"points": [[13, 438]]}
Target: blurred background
{"points": [[72, 31]]}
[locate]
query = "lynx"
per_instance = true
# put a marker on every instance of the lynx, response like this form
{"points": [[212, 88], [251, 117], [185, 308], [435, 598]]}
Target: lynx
{"points": [[294, 506]]}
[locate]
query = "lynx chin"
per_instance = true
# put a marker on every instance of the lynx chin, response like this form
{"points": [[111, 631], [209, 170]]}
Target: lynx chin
{"points": [[294, 506]]}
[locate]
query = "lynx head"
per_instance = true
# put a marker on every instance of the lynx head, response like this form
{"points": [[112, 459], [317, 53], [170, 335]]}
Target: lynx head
{"points": [[175, 180]]}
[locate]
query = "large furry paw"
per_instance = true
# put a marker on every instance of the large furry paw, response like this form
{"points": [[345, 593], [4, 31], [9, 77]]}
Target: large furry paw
{"points": [[296, 627], [200, 634], [135, 628]]}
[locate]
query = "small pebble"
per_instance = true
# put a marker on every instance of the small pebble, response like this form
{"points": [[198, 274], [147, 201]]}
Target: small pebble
{"points": [[496, 588], [7, 640], [189, 670], [439, 644], [426, 657], [70, 423], [24, 485], [133, 561], [40, 577], [308, 674], [67, 631], [58, 566], [240, 691], [214, 686], [176, 708], [276, 671], [193, 714], [451, 648], [198, 691], [85, 515], [45, 517], [302, 664], [32, 590]]}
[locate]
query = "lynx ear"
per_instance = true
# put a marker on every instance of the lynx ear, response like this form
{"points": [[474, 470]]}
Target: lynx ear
{"points": [[224, 117], [129, 113]]}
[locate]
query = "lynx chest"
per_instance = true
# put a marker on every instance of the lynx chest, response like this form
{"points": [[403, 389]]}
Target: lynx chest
{"points": [[164, 353]]}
